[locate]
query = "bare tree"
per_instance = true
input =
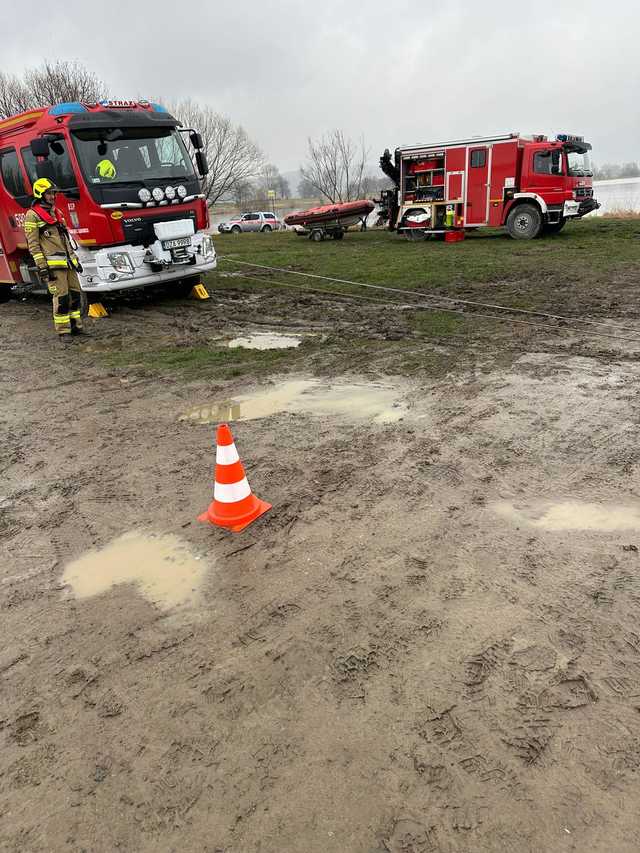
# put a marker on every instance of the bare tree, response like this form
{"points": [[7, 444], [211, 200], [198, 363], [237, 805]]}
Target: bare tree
{"points": [[14, 97], [283, 187], [616, 170], [271, 179], [306, 189], [630, 170], [336, 167], [49, 83], [234, 159], [243, 192]]}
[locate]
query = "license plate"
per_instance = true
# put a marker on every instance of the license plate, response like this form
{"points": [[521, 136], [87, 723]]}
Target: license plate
{"points": [[176, 244]]}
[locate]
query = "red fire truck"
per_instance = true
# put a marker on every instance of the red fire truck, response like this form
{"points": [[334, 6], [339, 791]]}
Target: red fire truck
{"points": [[529, 184], [130, 195]]}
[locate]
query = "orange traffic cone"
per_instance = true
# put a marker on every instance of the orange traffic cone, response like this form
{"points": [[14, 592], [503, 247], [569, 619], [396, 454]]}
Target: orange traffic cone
{"points": [[234, 505]]}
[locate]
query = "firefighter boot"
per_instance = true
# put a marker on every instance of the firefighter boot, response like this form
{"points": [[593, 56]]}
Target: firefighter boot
{"points": [[75, 312]]}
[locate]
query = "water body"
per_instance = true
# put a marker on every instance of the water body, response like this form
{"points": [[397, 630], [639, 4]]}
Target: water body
{"points": [[571, 515], [160, 566], [265, 340], [618, 195], [376, 403]]}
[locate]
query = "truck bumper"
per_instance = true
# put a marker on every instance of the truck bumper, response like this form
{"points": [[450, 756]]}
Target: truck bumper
{"points": [[587, 206], [578, 209], [137, 266], [146, 279]]}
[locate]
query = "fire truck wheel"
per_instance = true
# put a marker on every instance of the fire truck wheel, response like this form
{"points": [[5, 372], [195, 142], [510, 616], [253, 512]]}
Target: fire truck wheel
{"points": [[5, 293], [554, 227], [182, 288], [524, 222], [316, 235]]}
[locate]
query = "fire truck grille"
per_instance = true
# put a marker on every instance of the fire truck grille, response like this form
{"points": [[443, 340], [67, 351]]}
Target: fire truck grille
{"points": [[584, 192], [138, 230]]}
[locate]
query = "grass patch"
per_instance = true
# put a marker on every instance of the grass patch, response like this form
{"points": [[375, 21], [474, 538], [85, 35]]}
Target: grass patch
{"points": [[587, 252], [200, 360], [439, 324], [590, 268]]}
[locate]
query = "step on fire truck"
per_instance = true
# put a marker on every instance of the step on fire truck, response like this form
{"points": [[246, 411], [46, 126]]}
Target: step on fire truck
{"points": [[130, 195], [529, 184]]}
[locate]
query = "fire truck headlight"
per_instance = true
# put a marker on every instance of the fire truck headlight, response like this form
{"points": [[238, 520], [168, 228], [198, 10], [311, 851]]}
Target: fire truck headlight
{"points": [[121, 262], [182, 191], [207, 246], [158, 193], [170, 192], [144, 194]]}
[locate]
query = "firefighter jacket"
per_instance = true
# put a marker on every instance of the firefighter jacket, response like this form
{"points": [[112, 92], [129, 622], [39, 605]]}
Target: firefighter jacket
{"points": [[48, 239]]}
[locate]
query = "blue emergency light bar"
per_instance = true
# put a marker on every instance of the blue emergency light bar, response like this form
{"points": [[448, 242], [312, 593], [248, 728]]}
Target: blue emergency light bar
{"points": [[67, 108], [568, 137]]}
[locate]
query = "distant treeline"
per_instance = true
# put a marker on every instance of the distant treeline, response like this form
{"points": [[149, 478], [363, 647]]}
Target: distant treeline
{"points": [[608, 171]]}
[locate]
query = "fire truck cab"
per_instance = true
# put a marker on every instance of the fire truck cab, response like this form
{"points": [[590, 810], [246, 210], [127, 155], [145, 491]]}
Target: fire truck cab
{"points": [[529, 185], [130, 194]]}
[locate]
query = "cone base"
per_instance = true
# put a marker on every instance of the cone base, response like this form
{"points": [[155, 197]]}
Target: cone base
{"points": [[210, 516]]}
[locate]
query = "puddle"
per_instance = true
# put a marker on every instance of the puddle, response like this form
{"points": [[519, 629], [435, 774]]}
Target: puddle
{"points": [[571, 515], [265, 340], [376, 403], [161, 566]]}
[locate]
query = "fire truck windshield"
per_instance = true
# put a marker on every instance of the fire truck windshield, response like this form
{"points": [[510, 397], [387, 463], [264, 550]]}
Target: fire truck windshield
{"points": [[130, 154], [579, 165]]}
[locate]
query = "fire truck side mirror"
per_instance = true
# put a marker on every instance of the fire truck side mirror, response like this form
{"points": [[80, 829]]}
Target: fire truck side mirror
{"points": [[202, 164], [40, 147], [196, 140]]}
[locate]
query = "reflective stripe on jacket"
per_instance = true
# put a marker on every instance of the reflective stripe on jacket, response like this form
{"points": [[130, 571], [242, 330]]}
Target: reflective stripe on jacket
{"points": [[47, 240]]}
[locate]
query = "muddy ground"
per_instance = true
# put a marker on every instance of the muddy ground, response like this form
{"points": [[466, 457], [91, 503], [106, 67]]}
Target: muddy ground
{"points": [[430, 644]]}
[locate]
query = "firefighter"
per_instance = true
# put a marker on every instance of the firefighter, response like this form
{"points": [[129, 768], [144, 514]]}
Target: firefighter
{"points": [[50, 246]]}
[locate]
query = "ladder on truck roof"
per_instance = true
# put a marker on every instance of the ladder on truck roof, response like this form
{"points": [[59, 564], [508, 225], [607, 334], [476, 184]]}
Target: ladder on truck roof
{"points": [[473, 140]]}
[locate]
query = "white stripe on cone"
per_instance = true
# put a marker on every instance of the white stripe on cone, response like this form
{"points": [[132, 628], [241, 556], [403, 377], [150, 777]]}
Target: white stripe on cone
{"points": [[226, 454], [228, 493]]}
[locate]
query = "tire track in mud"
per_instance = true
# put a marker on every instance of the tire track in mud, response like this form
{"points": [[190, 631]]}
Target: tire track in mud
{"points": [[215, 718]]}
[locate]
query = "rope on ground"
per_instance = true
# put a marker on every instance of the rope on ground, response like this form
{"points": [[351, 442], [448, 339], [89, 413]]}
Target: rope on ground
{"points": [[431, 307]]}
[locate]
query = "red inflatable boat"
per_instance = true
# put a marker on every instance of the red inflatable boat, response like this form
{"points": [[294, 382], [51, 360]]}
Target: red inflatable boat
{"points": [[330, 219]]}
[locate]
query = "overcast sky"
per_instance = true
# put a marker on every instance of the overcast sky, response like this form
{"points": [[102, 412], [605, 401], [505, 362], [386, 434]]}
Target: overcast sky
{"points": [[394, 72]]}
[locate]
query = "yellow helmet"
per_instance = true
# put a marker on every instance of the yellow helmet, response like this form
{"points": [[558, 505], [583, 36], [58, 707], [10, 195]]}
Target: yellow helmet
{"points": [[42, 186], [105, 169]]}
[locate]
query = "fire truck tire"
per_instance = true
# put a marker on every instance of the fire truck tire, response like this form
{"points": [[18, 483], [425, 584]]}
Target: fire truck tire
{"points": [[338, 235], [554, 227], [236, 229], [316, 235], [524, 222], [266, 229], [182, 288], [5, 293]]}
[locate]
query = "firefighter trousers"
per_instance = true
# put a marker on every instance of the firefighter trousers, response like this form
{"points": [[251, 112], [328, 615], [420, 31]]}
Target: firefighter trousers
{"points": [[66, 301]]}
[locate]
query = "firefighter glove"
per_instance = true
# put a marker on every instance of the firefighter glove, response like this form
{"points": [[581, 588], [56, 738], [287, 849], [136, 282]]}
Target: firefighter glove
{"points": [[53, 290], [45, 276]]}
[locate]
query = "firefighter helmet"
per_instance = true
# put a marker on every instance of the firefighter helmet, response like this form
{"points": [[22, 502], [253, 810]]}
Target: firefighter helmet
{"points": [[105, 169], [42, 186]]}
